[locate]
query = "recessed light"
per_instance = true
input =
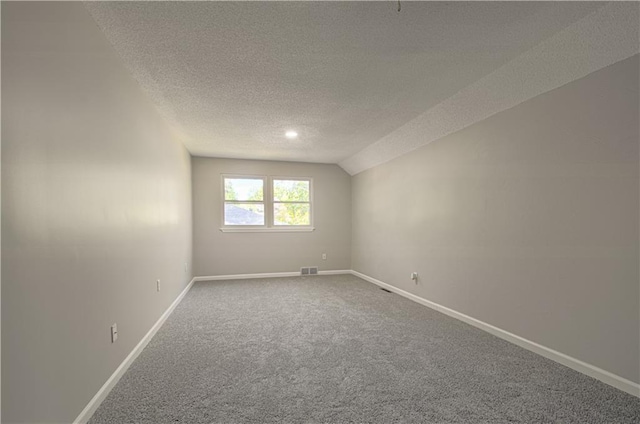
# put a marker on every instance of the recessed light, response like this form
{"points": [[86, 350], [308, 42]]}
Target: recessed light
{"points": [[291, 134]]}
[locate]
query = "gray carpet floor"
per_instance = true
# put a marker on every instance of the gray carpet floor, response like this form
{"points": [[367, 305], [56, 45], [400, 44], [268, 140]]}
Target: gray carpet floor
{"points": [[336, 349]]}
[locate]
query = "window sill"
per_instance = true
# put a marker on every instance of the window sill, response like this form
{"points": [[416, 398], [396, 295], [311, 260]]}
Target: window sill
{"points": [[267, 230]]}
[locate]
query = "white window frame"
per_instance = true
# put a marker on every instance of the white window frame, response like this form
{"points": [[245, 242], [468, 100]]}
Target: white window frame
{"points": [[265, 194], [268, 202]]}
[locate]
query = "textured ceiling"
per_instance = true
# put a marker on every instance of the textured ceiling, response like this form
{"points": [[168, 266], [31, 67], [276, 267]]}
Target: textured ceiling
{"points": [[231, 77], [600, 39]]}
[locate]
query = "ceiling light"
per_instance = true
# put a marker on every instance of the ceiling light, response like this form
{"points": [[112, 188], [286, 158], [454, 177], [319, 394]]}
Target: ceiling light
{"points": [[291, 134]]}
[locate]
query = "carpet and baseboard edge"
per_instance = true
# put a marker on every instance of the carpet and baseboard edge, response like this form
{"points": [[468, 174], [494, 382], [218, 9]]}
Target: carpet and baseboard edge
{"points": [[95, 402], [97, 399], [566, 360], [607, 377], [267, 275], [573, 363]]}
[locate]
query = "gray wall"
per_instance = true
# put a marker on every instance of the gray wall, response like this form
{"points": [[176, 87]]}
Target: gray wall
{"points": [[527, 221], [217, 253], [95, 207]]}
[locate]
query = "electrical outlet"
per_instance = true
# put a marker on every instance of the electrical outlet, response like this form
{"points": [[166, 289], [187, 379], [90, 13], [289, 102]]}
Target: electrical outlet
{"points": [[158, 285], [414, 277], [324, 256], [114, 333]]}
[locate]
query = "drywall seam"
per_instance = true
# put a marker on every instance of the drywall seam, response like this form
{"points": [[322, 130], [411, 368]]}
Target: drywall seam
{"points": [[267, 275], [95, 402], [602, 38], [566, 360]]}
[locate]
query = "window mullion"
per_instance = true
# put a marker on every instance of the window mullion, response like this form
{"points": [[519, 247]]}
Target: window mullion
{"points": [[268, 197]]}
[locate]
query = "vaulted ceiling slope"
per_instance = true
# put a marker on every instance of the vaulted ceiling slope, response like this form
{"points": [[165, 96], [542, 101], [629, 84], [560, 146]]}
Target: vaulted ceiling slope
{"points": [[358, 81]]}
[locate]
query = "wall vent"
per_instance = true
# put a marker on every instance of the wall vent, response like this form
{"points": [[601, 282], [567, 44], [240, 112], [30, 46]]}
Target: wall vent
{"points": [[309, 270]]}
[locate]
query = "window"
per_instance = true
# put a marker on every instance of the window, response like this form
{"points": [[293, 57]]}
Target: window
{"points": [[291, 202], [244, 201], [260, 203]]}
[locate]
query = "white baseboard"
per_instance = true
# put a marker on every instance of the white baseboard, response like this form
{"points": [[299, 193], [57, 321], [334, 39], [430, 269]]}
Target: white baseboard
{"points": [[335, 272], [580, 366], [266, 275], [576, 364], [95, 402], [246, 276]]}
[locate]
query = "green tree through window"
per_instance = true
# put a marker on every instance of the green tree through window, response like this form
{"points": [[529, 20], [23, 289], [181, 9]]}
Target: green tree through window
{"points": [[287, 204], [291, 202], [229, 191]]}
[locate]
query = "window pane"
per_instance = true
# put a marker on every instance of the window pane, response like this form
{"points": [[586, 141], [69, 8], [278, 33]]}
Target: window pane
{"points": [[243, 214], [243, 189], [290, 191], [291, 214]]}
